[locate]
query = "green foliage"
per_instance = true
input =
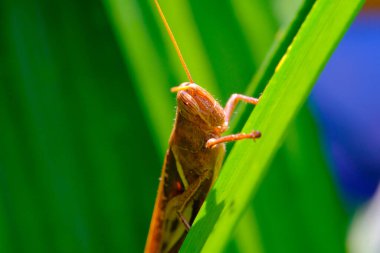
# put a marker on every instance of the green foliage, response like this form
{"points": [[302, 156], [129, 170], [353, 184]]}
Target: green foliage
{"points": [[286, 92], [86, 112]]}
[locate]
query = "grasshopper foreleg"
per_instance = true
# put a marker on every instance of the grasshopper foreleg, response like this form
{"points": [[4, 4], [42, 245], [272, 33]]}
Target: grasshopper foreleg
{"points": [[233, 137], [228, 110], [232, 102]]}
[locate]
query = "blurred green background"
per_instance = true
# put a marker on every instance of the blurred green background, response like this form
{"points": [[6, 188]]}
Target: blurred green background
{"points": [[82, 133]]}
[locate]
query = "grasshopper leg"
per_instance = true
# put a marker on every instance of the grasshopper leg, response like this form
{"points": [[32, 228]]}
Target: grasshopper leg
{"points": [[187, 196], [232, 102], [233, 137], [228, 109], [184, 221]]}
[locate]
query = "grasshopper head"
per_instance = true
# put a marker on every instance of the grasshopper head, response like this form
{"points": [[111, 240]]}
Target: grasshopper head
{"points": [[195, 104]]}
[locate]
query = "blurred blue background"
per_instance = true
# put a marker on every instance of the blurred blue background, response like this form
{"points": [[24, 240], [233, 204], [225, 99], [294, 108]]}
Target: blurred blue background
{"points": [[346, 103]]}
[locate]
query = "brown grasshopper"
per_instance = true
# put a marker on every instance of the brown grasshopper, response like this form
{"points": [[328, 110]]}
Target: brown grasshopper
{"points": [[193, 159]]}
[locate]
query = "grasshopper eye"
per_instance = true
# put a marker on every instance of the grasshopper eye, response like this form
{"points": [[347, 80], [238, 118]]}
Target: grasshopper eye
{"points": [[187, 104]]}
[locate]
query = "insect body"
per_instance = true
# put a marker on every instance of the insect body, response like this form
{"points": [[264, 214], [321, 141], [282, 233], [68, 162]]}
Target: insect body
{"points": [[193, 160]]}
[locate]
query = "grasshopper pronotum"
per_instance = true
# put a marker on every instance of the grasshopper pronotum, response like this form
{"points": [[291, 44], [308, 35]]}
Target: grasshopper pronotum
{"points": [[193, 159]]}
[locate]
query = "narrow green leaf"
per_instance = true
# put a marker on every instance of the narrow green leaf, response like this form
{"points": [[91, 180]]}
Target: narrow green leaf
{"points": [[151, 80], [283, 97], [258, 24]]}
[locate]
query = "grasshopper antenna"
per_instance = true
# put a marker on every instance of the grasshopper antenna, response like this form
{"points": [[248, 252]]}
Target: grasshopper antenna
{"points": [[174, 41]]}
